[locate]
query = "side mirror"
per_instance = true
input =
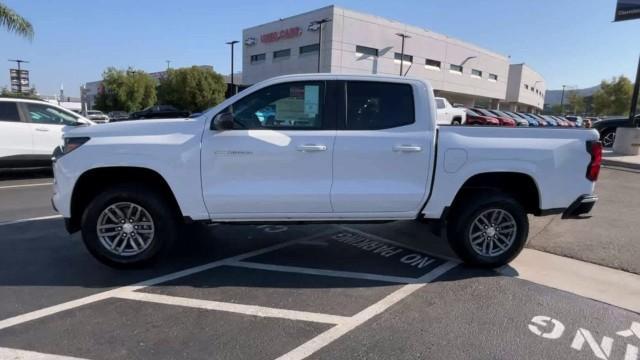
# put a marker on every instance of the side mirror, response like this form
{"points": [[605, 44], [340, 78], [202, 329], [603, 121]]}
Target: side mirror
{"points": [[223, 121]]}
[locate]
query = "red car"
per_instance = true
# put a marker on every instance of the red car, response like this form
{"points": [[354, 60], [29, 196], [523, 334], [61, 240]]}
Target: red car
{"points": [[473, 118], [504, 121]]}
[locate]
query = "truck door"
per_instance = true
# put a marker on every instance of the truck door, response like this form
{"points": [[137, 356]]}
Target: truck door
{"points": [[278, 158], [382, 150]]}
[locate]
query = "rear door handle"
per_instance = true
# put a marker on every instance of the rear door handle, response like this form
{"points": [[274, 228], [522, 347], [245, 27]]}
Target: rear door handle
{"points": [[312, 148], [407, 148], [41, 129]]}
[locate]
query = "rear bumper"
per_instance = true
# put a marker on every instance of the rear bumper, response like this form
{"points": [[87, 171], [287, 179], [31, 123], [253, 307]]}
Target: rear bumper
{"points": [[581, 206]]}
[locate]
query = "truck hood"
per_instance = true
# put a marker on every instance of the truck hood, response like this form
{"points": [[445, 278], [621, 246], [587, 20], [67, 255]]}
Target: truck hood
{"points": [[135, 128]]}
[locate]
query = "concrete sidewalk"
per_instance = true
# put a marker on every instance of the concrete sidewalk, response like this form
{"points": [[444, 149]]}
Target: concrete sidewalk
{"points": [[610, 158]]}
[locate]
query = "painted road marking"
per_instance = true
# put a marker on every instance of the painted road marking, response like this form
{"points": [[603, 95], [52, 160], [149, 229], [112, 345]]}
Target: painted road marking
{"points": [[252, 310], [11, 354], [552, 329], [24, 185], [338, 331], [322, 272], [11, 222], [397, 243], [588, 280], [37, 314]]}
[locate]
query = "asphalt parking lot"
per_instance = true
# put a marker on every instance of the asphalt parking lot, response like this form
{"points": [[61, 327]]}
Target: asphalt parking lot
{"points": [[317, 291]]}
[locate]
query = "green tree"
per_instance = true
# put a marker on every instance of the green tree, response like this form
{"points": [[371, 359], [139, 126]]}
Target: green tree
{"points": [[556, 109], [128, 90], [575, 102], [614, 97], [15, 23], [31, 94], [193, 89]]}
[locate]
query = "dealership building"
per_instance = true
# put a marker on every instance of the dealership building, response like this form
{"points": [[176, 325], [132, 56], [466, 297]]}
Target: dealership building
{"points": [[354, 42]]}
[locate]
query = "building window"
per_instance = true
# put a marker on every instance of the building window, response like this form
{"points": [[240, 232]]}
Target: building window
{"points": [[493, 77], [258, 58], [455, 68], [307, 49], [526, 87], [476, 73], [363, 50], [432, 64], [281, 54], [407, 58]]}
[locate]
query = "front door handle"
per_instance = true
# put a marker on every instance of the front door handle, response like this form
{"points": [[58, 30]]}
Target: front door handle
{"points": [[42, 129], [312, 148], [407, 148]]}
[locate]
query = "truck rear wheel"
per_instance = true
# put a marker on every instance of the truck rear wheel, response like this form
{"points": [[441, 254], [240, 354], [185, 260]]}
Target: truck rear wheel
{"points": [[128, 226], [488, 230]]}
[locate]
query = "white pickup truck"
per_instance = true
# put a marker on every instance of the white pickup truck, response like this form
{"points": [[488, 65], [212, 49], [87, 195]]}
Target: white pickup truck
{"points": [[448, 114], [319, 148]]}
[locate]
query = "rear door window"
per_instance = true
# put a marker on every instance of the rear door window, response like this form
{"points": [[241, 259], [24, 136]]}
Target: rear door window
{"points": [[9, 112], [44, 114], [378, 105]]}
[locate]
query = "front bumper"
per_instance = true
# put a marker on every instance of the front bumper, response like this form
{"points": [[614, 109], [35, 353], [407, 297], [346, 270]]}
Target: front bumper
{"points": [[581, 206]]}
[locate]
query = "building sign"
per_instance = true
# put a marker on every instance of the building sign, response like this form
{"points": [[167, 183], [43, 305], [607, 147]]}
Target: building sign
{"points": [[627, 10], [19, 80], [289, 33]]}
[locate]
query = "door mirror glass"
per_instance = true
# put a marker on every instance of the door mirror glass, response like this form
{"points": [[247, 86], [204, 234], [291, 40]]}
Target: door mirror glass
{"points": [[223, 121]]}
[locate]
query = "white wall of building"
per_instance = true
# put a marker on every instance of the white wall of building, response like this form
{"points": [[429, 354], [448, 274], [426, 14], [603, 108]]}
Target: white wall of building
{"points": [[526, 89], [349, 29]]}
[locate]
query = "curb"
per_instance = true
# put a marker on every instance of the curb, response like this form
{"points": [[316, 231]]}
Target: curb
{"points": [[618, 163]]}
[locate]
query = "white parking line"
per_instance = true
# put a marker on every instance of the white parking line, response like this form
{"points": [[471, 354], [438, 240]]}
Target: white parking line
{"points": [[23, 186], [337, 331], [11, 222], [37, 314], [235, 308], [16, 354], [322, 272]]}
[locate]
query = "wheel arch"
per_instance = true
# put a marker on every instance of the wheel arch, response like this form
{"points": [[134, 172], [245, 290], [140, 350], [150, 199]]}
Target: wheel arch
{"points": [[520, 186], [91, 182]]}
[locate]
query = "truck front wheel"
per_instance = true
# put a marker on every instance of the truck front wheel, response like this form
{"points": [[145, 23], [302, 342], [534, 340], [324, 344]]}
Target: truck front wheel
{"points": [[488, 230], [128, 226]]}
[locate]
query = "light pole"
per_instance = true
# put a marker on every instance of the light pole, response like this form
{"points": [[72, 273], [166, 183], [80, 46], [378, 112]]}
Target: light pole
{"points": [[168, 64], [562, 100], [19, 61], [403, 36], [233, 86], [317, 24]]}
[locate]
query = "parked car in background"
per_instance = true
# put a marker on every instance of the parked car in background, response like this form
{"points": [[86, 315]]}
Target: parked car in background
{"points": [[519, 121], [118, 115], [97, 116], [159, 112], [541, 118], [560, 121], [449, 115], [531, 121], [607, 129], [504, 120], [473, 118], [577, 120], [540, 121], [551, 120], [30, 130]]}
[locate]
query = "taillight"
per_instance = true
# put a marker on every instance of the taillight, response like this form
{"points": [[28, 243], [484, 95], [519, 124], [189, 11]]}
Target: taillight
{"points": [[595, 149]]}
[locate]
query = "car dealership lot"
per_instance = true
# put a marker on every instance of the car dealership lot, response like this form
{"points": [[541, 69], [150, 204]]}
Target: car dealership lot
{"points": [[357, 291]]}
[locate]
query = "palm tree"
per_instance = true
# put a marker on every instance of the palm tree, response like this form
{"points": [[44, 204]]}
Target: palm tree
{"points": [[13, 22]]}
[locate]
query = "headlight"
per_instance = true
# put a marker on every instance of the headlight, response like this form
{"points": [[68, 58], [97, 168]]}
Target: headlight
{"points": [[70, 144]]}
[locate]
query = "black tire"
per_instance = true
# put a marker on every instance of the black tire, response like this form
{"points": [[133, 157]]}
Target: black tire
{"points": [[608, 137], [163, 216], [468, 210], [456, 121]]}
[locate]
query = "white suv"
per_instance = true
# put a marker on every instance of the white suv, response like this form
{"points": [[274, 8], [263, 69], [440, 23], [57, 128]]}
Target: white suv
{"points": [[31, 129]]}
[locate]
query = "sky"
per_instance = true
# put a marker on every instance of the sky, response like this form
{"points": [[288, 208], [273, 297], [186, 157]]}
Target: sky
{"points": [[570, 42]]}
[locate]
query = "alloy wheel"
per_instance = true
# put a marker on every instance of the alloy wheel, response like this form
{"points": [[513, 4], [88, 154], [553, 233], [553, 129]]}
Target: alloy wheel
{"points": [[493, 232], [125, 229]]}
